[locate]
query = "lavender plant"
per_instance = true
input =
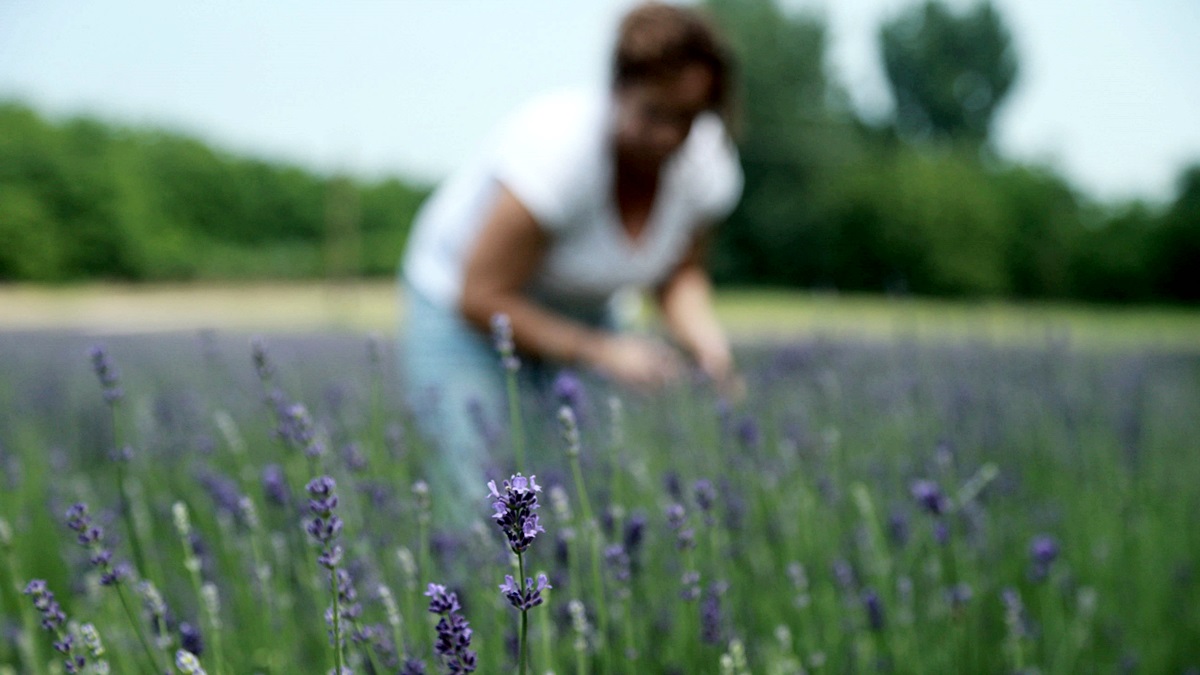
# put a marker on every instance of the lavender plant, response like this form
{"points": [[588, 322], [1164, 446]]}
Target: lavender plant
{"points": [[325, 527], [453, 644], [115, 575], [814, 479], [515, 515], [54, 620], [112, 392], [502, 337], [590, 528]]}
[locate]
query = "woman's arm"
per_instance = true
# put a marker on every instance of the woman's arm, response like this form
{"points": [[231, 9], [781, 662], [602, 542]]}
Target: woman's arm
{"points": [[508, 251], [686, 302]]}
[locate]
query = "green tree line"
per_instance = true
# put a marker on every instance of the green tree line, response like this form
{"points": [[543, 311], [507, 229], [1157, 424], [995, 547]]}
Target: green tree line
{"points": [[921, 203], [84, 199]]}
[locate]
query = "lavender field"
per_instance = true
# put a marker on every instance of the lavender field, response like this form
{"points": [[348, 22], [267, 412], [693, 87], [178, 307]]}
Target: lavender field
{"points": [[232, 504]]}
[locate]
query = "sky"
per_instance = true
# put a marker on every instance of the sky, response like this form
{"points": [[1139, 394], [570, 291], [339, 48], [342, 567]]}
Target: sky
{"points": [[1108, 94]]}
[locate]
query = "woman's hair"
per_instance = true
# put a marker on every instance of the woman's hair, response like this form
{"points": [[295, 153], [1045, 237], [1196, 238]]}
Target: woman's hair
{"points": [[656, 40]]}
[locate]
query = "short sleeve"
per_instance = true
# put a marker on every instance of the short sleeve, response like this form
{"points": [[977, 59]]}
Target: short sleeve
{"points": [[546, 155], [714, 170]]}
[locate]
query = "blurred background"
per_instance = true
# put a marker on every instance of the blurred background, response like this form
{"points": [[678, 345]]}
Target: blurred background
{"points": [[1014, 150]]}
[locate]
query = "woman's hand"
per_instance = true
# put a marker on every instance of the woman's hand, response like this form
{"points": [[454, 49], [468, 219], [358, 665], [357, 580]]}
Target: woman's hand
{"points": [[716, 362], [640, 362]]}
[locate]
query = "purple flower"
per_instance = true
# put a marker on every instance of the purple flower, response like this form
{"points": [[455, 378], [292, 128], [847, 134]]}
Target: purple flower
{"points": [[685, 537], [515, 510], [568, 390], [929, 496], [224, 492], [53, 617], [941, 532], [502, 337], [55, 620], [1043, 549], [453, 631], [706, 494], [90, 537], [296, 427], [274, 484], [442, 601], [190, 638], [1014, 612], [262, 359], [711, 616], [325, 525], [349, 608], [898, 529], [635, 530], [618, 562], [107, 373], [676, 516], [748, 432], [690, 583], [413, 667], [874, 607], [843, 572], [524, 598], [959, 594]]}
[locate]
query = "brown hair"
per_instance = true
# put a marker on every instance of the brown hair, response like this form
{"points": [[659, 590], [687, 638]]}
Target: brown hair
{"points": [[656, 40]]}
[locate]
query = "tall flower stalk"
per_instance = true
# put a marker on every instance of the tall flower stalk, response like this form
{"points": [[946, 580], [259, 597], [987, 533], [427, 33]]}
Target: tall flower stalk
{"points": [[55, 621], [110, 385], [28, 619], [90, 536], [591, 530], [502, 335], [453, 643], [183, 526], [324, 528], [516, 508]]}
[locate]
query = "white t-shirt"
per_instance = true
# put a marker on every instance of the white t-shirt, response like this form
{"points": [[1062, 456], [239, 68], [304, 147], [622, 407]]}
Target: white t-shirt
{"points": [[554, 155]]}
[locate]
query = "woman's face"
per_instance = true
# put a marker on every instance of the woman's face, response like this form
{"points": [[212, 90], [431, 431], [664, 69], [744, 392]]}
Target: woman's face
{"points": [[654, 117]]}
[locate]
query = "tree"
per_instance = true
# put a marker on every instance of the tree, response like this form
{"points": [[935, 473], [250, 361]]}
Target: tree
{"points": [[948, 73], [790, 139], [1178, 241]]}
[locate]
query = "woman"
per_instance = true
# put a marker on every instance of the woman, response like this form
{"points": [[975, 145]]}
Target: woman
{"points": [[579, 195]]}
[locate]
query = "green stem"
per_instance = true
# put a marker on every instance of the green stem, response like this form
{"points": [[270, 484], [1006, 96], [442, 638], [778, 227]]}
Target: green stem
{"points": [[29, 620], [592, 531], [522, 656], [337, 623], [263, 575], [137, 628], [514, 420], [139, 559]]}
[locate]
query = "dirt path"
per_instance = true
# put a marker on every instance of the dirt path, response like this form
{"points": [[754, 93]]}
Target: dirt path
{"points": [[372, 306], [110, 308]]}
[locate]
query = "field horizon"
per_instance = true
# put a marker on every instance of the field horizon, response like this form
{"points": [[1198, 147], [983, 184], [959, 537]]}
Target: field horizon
{"points": [[749, 314]]}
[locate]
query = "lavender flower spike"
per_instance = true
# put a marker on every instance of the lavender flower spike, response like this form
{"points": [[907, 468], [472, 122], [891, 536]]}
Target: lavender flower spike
{"points": [[527, 597], [930, 497], [107, 373], [325, 525], [55, 621], [187, 663], [1043, 550], [90, 537], [453, 631], [502, 336], [515, 510]]}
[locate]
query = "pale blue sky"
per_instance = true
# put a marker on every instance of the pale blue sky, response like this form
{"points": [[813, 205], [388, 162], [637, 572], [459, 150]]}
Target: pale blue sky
{"points": [[1109, 90]]}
